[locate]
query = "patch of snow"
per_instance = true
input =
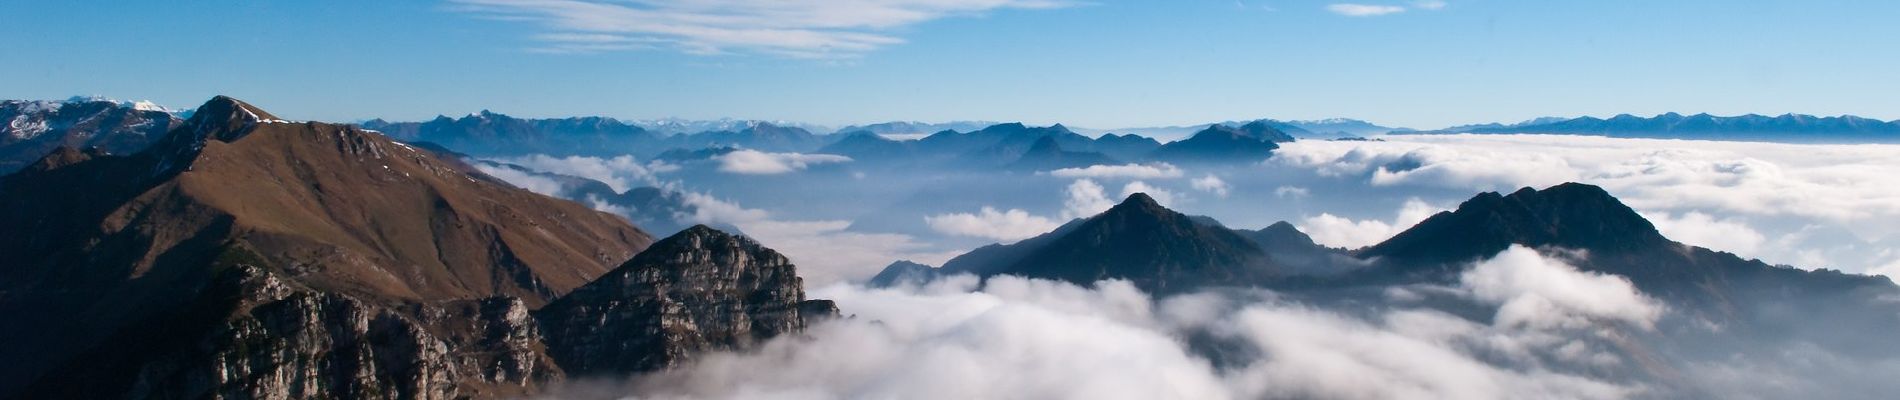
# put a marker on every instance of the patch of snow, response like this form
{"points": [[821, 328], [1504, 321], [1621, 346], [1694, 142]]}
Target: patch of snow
{"points": [[34, 106], [20, 127], [143, 105]]}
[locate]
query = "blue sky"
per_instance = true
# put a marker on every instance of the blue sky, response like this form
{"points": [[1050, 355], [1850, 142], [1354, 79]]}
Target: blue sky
{"points": [[1097, 64]]}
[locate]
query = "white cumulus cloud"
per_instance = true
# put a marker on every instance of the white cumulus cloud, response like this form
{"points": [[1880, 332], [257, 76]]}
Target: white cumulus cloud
{"points": [[1699, 229], [1211, 184], [1085, 198], [754, 162]]}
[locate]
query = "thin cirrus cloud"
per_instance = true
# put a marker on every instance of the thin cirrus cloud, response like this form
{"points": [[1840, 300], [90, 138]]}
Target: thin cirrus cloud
{"points": [[798, 29], [1374, 10]]}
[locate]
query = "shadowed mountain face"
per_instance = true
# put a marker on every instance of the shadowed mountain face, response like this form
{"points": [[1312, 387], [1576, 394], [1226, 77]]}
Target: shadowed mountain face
{"points": [[30, 129], [241, 242]]}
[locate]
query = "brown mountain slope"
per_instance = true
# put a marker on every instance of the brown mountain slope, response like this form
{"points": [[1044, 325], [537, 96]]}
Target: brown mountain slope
{"points": [[380, 217], [95, 246]]}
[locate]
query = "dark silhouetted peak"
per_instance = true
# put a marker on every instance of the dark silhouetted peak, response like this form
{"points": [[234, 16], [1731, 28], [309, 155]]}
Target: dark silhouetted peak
{"points": [[1139, 240], [1283, 234], [1139, 202], [1295, 251], [1006, 127], [1570, 215], [1216, 143], [1265, 130], [904, 272]]}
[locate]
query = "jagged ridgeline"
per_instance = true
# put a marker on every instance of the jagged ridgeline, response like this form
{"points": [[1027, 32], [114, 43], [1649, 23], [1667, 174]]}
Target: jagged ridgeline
{"points": [[246, 256]]}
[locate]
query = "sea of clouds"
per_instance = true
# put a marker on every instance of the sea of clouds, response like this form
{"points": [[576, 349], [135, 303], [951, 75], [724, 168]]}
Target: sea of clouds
{"points": [[1811, 206], [1518, 325]]}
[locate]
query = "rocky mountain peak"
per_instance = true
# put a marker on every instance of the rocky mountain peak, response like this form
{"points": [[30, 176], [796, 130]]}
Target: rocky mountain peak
{"points": [[698, 290]]}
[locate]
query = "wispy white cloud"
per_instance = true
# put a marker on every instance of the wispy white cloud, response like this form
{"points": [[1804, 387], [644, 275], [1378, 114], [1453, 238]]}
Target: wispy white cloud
{"points": [[1211, 184], [989, 223], [1429, 4], [1363, 10], [753, 162], [803, 29], [1131, 171], [620, 173]]}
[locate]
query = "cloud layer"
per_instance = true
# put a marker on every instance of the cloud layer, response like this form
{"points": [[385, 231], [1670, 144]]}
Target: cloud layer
{"points": [[1806, 205], [1024, 338]]}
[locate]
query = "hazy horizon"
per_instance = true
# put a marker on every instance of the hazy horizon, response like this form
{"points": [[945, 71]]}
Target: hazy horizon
{"points": [[1425, 65]]}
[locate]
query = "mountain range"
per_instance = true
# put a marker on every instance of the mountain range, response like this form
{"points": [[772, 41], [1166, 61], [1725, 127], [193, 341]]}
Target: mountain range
{"points": [[1164, 251], [245, 256]]}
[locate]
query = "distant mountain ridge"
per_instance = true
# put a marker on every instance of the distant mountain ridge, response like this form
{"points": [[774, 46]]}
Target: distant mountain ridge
{"points": [[32, 129], [490, 134], [1752, 127]]}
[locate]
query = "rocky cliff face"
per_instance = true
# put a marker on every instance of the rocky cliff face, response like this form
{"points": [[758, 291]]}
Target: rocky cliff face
{"points": [[697, 291]]}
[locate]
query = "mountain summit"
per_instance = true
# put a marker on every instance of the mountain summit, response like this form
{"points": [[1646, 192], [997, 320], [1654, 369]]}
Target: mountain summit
{"points": [[1138, 240], [1570, 215]]}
